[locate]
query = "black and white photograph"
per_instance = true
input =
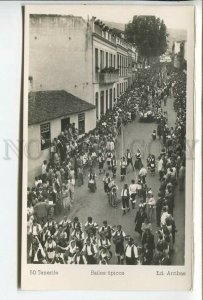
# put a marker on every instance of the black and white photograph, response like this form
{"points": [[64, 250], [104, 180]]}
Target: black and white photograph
{"points": [[105, 118]]}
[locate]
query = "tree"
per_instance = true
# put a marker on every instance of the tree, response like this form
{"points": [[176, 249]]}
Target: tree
{"points": [[149, 34]]}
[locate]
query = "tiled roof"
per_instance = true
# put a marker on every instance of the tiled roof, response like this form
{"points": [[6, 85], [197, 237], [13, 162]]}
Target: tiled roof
{"points": [[47, 105]]}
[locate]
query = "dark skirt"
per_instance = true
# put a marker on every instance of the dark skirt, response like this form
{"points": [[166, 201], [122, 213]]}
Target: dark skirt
{"points": [[138, 164], [123, 171], [138, 226], [101, 165], [119, 249], [125, 202]]}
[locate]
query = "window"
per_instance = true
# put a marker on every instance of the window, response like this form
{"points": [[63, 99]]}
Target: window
{"points": [[111, 63], [114, 61], [65, 123], [117, 89], [96, 60], [45, 136], [101, 59], [107, 59], [118, 66], [107, 100], [81, 123], [97, 104], [110, 99], [102, 102], [114, 94]]}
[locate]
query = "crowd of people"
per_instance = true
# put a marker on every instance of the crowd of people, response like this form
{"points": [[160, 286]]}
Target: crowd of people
{"points": [[71, 156]]}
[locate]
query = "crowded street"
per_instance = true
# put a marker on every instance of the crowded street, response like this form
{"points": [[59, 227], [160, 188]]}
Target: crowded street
{"points": [[116, 195], [96, 205]]}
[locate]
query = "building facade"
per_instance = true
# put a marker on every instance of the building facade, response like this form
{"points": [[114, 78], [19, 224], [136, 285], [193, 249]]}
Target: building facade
{"points": [[110, 67], [81, 57], [60, 55], [50, 112]]}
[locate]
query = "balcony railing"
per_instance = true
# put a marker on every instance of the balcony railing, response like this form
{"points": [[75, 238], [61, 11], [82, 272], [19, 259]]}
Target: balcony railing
{"points": [[108, 76]]}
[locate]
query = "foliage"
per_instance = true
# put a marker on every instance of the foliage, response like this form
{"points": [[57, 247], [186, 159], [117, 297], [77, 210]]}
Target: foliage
{"points": [[149, 34]]}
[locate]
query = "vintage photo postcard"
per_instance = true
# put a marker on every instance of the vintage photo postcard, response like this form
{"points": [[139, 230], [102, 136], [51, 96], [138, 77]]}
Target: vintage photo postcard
{"points": [[108, 147]]}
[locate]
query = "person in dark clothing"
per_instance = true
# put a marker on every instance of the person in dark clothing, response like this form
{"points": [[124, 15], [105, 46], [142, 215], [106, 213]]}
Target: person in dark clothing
{"points": [[147, 255], [170, 203], [170, 222], [159, 205], [139, 219], [148, 238]]}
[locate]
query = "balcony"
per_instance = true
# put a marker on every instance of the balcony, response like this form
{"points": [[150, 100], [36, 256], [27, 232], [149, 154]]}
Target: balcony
{"points": [[108, 75]]}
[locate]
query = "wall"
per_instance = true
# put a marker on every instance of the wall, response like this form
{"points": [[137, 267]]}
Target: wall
{"points": [[36, 156], [61, 55], [90, 120]]}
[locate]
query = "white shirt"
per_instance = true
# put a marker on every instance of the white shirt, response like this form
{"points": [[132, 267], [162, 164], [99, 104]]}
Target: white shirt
{"points": [[128, 252], [143, 172], [163, 218], [105, 242], [124, 192], [160, 164], [128, 155], [72, 249], [88, 248], [151, 201], [112, 145], [123, 164], [133, 188]]}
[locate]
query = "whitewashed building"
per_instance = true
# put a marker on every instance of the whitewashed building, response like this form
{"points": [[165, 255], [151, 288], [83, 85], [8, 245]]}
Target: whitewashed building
{"points": [[49, 114]]}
